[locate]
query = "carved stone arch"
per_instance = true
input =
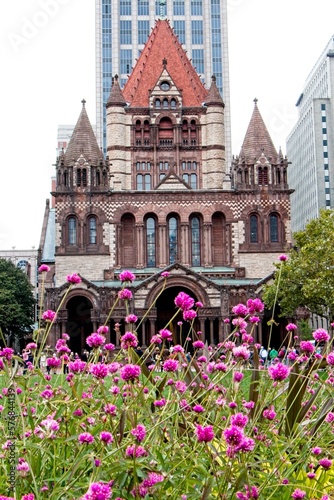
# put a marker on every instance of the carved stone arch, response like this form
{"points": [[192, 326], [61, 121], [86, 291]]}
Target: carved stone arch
{"points": [[162, 116], [92, 297]]}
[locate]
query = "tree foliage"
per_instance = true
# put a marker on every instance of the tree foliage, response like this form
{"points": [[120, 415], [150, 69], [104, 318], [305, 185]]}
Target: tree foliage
{"points": [[16, 301], [306, 279]]}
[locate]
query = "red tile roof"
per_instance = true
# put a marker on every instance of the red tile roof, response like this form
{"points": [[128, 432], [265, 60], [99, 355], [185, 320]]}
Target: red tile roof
{"points": [[163, 44], [257, 139]]}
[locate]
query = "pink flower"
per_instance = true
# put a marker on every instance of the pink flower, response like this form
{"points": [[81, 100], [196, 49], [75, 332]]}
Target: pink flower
{"points": [[53, 362], [307, 346], [240, 310], [98, 491], [320, 335], [329, 417], [99, 370], [106, 437], [131, 318], [241, 352], [330, 358], [135, 451], [170, 365], [269, 413], [86, 437], [199, 304], [152, 479], [156, 339], [7, 353], [204, 434], [73, 278], [77, 366], [279, 371], [165, 334], [239, 419], [189, 315], [43, 268], [165, 274], [159, 403], [291, 327], [95, 340], [22, 467], [184, 301], [198, 344], [283, 258], [129, 340], [233, 435], [127, 276], [325, 463], [125, 294], [130, 372], [255, 306], [139, 432], [109, 347], [198, 409], [103, 329], [49, 315], [316, 450], [298, 494]]}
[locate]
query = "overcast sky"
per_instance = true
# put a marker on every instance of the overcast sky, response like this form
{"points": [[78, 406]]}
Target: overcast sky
{"points": [[48, 67]]}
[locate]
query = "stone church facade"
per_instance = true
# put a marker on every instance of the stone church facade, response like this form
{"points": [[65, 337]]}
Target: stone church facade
{"points": [[163, 200]]}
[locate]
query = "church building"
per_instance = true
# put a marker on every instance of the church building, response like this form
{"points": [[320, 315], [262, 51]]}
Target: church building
{"points": [[163, 199]]}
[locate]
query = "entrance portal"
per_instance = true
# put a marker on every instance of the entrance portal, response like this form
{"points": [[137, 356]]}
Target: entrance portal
{"points": [[79, 324]]}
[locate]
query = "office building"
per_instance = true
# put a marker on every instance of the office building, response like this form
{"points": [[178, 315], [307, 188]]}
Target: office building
{"points": [[310, 145]]}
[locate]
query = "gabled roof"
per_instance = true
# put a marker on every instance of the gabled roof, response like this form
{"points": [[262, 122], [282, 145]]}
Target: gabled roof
{"points": [[83, 142], [257, 140], [163, 48], [172, 181]]}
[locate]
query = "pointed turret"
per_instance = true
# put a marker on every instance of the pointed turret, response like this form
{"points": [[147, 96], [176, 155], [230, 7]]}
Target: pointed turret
{"points": [[257, 139], [116, 97], [214, 98], [83, 142]]}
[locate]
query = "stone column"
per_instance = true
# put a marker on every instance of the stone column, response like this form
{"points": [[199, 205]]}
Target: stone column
{"points": [[140, 245], [162, 245], [185, 257], [207, 244]]}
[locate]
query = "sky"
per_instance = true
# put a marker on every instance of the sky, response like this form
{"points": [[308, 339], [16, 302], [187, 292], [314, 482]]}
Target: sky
{"points": [[47, 53]]}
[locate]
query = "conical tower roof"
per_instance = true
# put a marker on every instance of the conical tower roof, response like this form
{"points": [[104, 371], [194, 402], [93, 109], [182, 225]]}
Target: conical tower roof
{"points": [[214, 97], [116, 97], [83, 142], [163, 45], [257, 140]]}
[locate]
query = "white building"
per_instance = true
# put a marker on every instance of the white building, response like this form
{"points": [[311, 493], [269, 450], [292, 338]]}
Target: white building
{"points": [[123, 27], [310, 146]]}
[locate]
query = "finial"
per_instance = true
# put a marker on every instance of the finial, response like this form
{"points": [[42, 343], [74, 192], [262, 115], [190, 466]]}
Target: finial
{"points": [[116, 78], [255, 100], [164, 62], [213, 78], [83, 102]]}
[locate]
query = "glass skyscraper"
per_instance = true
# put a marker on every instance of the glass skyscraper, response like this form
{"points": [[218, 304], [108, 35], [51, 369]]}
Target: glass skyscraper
{"points": [[123, 26]]}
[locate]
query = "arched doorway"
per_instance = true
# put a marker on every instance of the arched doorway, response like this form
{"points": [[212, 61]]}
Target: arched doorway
{"points": [[166, 310], [79, 324]]}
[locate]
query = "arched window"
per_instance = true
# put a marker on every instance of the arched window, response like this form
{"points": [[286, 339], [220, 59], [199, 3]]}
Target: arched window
{"points": [[72, 231], [172, 239], [193, 181], [166, 132], [92, 231], [150, 242], [263, 175], [165, 103], [127, 244], [65, 178], [254, 230], [195, 242], [157, 103], [218, 239], [273, 228], [173, 103]]}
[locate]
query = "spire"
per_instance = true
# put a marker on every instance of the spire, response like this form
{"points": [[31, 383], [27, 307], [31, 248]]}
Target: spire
{"points": [[214, 96], [163, 43], [257, 140], [116, 97], [83, 141]]}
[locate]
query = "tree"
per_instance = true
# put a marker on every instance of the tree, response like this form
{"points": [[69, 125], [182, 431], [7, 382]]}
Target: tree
{"points": [[16, 301], [306, 279]]}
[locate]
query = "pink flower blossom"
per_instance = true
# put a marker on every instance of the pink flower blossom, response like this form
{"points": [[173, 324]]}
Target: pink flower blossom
{"points": [[170, 365], [330, 358], [7, 353], [53, 362], [165, 274], [233, 435], [189, 315], [129, 340], [127, 276], [95, 340], [198, 304], [98, 491], [104, 329], [99, 370], [198, 408], [135, 451], [320, 335], [241, 352], [239, 419], [73, 278], [255, 306], [283, 258], [269, 413], [159, 403], [240, 310], [316, 450], [109, 347], [139, 432], [291, 327], [198, 344], [77, 366], [329, 417], [298, 494], [325, 463], [106, 437], [156, 339], [279, 371], [152, 479], [86, 437], [307, 346], [204, 434], [43, 268], [130, 372], [125, 294], [49, 315], [131, 318], [165, 334], [184, 301]]}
